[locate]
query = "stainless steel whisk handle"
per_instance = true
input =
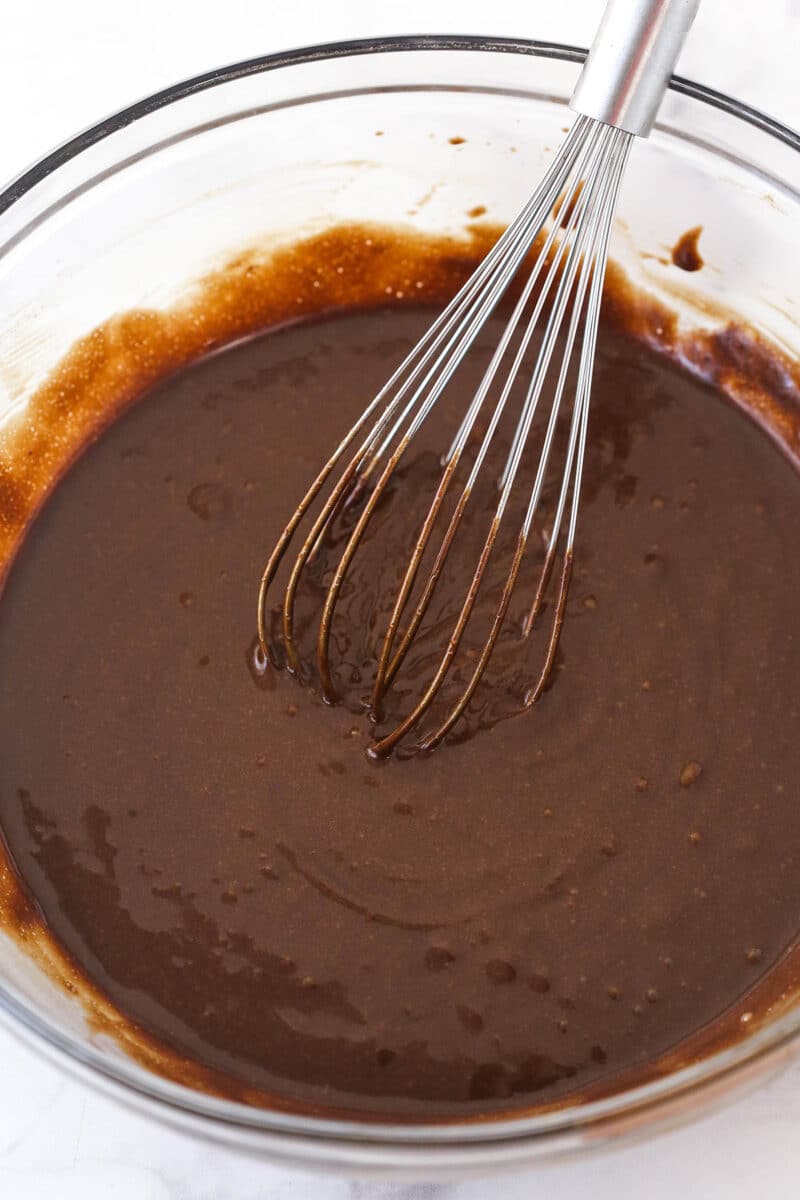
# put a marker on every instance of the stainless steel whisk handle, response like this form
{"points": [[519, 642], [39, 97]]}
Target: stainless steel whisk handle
{"points": [[631, 59]]}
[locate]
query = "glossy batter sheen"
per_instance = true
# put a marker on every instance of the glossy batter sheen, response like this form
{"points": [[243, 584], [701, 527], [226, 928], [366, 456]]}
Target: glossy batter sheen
{"points": [[554, 902]]}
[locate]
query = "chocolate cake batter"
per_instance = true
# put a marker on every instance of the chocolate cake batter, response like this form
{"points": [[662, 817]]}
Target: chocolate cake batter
{"points": [[686, 253], [548, 904]]}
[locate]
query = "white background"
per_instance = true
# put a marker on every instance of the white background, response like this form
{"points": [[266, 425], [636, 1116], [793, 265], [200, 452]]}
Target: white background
{"points": [[65, 64]]}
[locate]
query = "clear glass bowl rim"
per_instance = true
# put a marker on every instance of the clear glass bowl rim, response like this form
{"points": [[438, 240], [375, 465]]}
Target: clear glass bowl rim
{"points": [[560, 1126]]}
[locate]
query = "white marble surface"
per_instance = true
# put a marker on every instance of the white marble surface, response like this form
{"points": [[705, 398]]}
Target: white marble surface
{"points": [[63, 65]]}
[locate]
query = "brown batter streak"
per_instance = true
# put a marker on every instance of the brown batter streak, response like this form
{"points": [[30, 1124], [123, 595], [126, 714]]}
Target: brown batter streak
{"points": [[685, 252]]}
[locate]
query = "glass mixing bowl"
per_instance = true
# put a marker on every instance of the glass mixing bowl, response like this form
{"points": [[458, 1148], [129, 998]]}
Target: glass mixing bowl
{"points": [[132, 212]]}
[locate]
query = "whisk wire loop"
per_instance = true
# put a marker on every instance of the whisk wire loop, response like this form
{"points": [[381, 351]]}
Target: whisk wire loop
{"points": [[570, 248]]}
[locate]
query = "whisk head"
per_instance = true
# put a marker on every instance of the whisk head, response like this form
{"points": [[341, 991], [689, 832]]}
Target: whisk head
{"points": [[550, 263]]}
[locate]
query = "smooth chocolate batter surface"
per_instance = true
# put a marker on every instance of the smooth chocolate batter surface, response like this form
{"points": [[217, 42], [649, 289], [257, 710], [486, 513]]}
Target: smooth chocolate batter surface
{"points": [[548, 903]]}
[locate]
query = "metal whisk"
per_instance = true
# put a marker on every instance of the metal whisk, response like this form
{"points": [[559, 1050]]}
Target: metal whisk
{"points": [[616, 98]]}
